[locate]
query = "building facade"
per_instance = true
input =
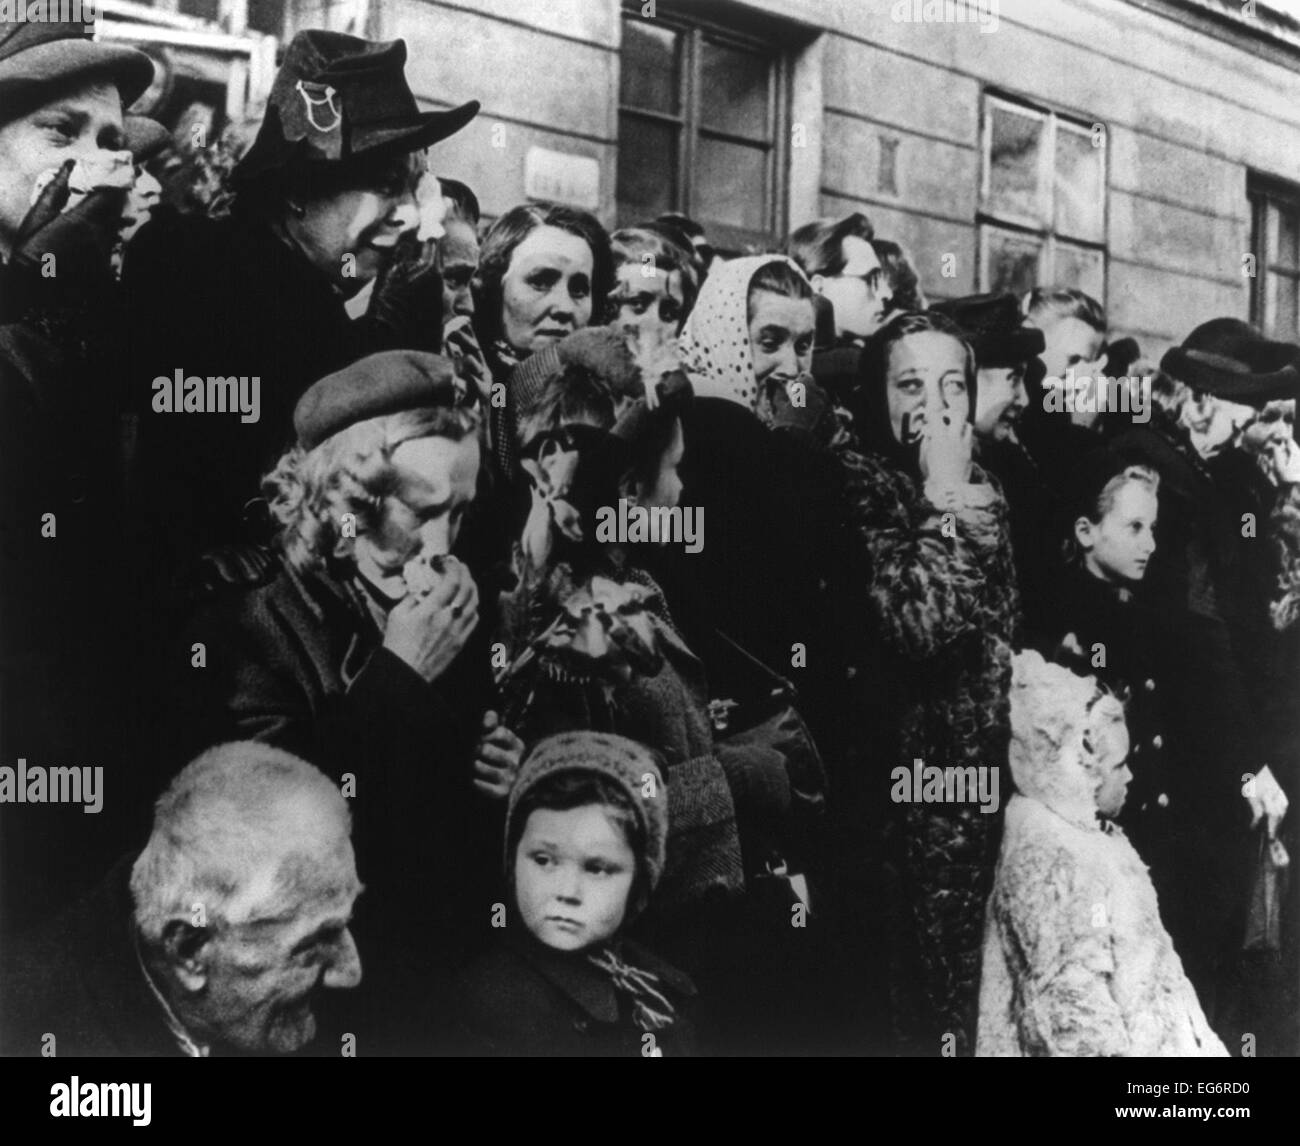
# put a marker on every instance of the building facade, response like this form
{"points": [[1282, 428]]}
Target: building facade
{"points": [[1147, 151]]}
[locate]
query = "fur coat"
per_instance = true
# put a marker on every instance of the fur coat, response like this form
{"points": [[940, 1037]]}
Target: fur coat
{"points": [[1076, 960]]}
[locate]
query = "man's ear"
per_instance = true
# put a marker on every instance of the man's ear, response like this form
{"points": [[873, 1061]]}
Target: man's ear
{"points": [[186, 949], [1083, 532]]}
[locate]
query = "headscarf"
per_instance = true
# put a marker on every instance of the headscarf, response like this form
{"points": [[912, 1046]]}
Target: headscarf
{"points": [[714, 342]]}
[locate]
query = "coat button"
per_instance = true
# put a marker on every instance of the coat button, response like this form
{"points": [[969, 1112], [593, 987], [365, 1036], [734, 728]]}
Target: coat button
{"points": [[1157, 742], [1150, 686], [582, 1026], [1162, 800]]}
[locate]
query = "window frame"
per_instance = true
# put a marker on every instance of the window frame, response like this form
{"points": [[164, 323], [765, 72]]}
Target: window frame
{"points": [[1261, 192], [725, 238], [988, 217]]}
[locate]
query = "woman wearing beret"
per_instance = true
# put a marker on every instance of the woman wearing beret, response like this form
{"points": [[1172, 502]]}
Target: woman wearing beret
{"points": [[941, 593], [65, 172], [366, 655], [329, 197]]}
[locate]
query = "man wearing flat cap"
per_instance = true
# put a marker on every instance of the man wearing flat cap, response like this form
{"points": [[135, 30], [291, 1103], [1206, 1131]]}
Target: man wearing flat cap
{"points": [[65, 173], [368, 656], [331, 195]]}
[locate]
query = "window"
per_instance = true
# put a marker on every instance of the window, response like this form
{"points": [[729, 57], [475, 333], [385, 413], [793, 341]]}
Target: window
{"points": [[700, 117], [1042, 218], [1275, 241]]}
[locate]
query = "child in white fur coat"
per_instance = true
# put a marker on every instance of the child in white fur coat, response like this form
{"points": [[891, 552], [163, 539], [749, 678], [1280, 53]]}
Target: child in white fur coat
{"points": [[1076, 959]]}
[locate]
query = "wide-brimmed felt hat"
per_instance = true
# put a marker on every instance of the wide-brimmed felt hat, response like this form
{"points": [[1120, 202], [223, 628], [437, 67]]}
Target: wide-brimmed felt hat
{"points": [[384, 383], [991, 324], [1232, 360], [35, 54], [337, 98]]}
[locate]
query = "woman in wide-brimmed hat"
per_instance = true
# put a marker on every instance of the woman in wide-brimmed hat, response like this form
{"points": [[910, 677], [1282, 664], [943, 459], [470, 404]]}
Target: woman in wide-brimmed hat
{"points": [[331, 195]]}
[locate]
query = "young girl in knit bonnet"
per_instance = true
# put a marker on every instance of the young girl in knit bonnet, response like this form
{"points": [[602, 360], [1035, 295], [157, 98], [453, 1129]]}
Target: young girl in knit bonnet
{"points": [[585, 843]]}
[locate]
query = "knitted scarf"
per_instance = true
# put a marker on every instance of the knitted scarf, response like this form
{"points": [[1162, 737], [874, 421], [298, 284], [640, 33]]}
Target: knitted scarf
{"points": [[651, 1010]]}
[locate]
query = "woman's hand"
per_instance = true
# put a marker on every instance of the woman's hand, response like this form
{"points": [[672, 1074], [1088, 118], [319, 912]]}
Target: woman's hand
{"points": [[946, 451], [428, 631], [1280, 460], [500, 753]]}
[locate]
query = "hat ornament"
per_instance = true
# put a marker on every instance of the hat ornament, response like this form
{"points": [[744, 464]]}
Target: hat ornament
{"points": [[326, 99]]}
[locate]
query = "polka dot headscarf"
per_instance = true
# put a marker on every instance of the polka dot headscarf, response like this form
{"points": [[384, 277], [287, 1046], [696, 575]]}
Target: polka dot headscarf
{"points": [[715, 340]]}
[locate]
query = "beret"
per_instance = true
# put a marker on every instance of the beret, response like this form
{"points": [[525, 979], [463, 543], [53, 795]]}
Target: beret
{"points": [[379, 384]]}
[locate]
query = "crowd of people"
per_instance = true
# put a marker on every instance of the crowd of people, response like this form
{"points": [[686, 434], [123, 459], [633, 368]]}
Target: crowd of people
{"points": [[516, 638]]}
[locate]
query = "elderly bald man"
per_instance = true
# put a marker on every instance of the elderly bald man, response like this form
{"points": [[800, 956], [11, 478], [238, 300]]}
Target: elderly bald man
{"points": [[219, 938]]}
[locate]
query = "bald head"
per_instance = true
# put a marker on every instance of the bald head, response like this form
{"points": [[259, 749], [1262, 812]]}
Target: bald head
{"points": [[240, 829]]}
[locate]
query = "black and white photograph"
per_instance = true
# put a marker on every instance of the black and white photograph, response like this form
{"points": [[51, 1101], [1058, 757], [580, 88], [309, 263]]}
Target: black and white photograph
{"points": [[756, 529]]}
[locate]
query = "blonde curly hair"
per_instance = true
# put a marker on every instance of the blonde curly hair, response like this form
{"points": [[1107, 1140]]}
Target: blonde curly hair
{"points": [[352, 472]]}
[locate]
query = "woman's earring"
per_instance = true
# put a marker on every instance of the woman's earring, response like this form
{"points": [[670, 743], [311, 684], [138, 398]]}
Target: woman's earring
{"points": [[298, 209]]}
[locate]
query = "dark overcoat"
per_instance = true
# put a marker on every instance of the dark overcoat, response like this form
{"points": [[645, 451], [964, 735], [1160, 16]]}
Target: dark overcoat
{"points": [[522, 998], [78, 978], [298, 663]]}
